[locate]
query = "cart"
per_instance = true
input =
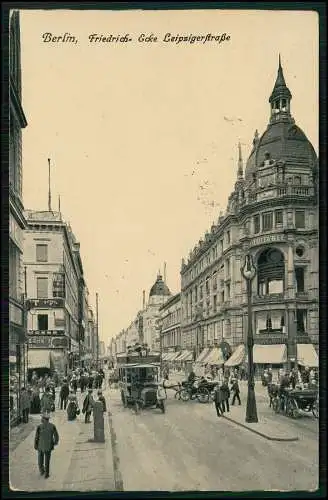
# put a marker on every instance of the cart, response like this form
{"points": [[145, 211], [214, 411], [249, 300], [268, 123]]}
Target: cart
{"points": [[297, 401]]}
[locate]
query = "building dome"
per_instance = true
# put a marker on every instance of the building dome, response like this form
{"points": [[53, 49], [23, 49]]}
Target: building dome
{"points": [[159, 288], [283, 139]]}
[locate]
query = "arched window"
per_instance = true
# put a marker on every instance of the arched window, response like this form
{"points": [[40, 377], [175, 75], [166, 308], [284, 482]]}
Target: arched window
{"points": [[271, 272]]}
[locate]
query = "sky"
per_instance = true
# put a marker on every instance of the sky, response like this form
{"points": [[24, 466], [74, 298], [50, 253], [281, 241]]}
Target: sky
{"points": [[143, 137]]}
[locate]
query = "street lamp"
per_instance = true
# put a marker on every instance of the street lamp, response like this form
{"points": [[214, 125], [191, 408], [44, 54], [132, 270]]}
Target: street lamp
{"points": [[249, 271]]}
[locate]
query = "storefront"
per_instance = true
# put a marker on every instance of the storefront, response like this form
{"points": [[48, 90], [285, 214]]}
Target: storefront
{"points": [[47, 353]]}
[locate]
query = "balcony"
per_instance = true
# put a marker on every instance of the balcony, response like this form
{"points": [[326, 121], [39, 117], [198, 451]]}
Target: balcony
{"points": [[302, 295], [269, 337], [278, 191], [268, 299]]}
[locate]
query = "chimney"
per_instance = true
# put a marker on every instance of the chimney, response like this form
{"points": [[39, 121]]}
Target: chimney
{"points": [[143, 299]]}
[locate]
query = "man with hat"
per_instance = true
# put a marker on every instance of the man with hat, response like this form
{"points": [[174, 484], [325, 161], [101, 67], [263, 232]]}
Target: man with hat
{"points": [[46, 438], [88, 406]]}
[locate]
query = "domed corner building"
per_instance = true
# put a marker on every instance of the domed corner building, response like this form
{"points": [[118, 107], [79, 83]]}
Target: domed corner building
{"points": [[273, 214], [149, 316]]}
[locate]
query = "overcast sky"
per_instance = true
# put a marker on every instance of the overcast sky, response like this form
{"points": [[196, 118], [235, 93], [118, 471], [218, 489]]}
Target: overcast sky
{"points": [[143, 137]]}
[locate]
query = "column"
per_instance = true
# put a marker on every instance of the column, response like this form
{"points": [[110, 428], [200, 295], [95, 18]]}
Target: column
{"points": [[289, 273]]}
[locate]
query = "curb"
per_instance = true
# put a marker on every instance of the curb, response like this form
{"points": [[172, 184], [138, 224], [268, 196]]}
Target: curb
{"points": [[118, 480], [266, 436]]}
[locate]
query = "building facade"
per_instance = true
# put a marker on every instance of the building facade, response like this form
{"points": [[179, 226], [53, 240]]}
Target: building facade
{"points": [[17, 223], [170, 324], [272, 213], [57, 315]]}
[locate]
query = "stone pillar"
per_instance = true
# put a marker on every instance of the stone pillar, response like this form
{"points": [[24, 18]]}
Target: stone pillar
{"points": [[292, 338], [289, 273], [98, 422]]}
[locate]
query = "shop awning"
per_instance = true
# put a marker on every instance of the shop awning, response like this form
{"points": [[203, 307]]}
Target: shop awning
{"points": [[164, 356], [173, 355], [185, 356], [275, 354], [307, 356], [38, 358], [214, 357], [202, 355], [237, 357]]}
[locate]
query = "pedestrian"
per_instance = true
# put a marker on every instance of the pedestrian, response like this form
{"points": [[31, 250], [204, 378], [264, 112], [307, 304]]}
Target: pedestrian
{"points": [[25, 405], [102, 399], [235, 391], [225, 396], [72, 407], [88, 406], [46, 438], [270, 376], [293, 378], [35, 401], [63, 394], [46, 401], [218, 400], [91, 378], [74, 383]]}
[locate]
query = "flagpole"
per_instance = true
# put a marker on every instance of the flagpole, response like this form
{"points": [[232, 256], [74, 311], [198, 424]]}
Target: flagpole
{"points": [[49, 187]]}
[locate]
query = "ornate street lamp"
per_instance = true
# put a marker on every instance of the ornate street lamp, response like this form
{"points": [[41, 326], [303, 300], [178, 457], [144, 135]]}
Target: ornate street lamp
{"points": [[249, 271]]}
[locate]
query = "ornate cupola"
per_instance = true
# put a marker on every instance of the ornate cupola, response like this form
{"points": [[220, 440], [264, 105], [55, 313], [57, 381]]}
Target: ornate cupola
{"points": [[280, 98]]}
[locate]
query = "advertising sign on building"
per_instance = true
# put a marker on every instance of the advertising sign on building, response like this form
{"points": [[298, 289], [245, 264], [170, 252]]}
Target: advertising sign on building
{"points": [[46, 303], [48, 342], [46, 333]]}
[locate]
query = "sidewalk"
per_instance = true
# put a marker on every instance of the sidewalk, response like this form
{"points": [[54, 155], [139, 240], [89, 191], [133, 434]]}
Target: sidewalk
{"points": [[267, 425], [76, 464]]}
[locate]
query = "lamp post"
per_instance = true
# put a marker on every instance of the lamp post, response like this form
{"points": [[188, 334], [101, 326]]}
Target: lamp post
{"points": [[249, 271]]}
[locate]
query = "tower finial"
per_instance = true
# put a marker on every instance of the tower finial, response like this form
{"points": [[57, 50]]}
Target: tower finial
{"points": [[280, 61], [59, 203]]}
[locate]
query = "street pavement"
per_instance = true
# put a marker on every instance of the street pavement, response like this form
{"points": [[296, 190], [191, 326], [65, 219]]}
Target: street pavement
{"points": [[190, 448], [76, 464]]}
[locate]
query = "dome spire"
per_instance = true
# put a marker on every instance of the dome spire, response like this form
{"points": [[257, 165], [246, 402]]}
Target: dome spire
{"points": [[280, 97]]}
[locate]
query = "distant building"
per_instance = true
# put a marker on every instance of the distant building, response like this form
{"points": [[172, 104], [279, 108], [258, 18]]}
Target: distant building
{"points": [[17, 223], [57, 297], [273, 214], [170, 324], [145, 327]]}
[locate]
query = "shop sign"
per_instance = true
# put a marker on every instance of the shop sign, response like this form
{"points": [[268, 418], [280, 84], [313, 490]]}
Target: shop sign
{"points": [[46, 333], [268, 238], [44, 342], [40, 303]]}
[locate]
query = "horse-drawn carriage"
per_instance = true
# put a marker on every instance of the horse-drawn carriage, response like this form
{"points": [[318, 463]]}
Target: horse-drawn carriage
{"points": [[201, 389], [140, 387], [294, 401]]}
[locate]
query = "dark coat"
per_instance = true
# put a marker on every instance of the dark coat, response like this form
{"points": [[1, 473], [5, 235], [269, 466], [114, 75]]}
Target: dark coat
{"points": [[46, 403], [64, 391], [103, 400], [88, 403], [25, 400], [225, 391], [235, 387], [218, 396], [46, 437]]}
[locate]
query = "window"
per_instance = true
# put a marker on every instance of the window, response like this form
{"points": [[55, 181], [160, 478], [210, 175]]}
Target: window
{"points": [[228, 237], [300, 219], [58, 285], [214, 281], [215, 306], [14, 255], [257, 228], [42, 253], [221, 246], [42, 288], [228, 268], [222, 296], [201, 292], [228, 291], [299, 277], [267, 221], [207, 285], [42, 321], [278, 217], [297, 180], [301, 320]]}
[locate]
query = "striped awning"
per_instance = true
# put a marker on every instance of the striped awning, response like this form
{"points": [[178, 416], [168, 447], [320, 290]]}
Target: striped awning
{"points": [[214, 357], [307, 356], [237, 357], [172, 356], [185, 356], [165, 355], [202, 355]]}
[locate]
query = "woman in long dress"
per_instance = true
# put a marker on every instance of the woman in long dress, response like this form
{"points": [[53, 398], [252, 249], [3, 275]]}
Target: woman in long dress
{"points": [[72, 407]]}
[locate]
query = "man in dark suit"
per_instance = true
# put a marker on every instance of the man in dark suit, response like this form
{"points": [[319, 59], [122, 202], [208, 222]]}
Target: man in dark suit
{"points": [[46, 438]]}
